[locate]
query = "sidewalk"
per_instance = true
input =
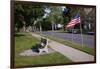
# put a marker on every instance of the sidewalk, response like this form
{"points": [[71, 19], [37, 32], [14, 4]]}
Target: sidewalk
{"points": [[73, 54]]}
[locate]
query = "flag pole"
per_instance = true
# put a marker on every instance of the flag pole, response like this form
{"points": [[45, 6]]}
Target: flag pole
{"points": [[81, 33], [72, 34], [74, 21]]}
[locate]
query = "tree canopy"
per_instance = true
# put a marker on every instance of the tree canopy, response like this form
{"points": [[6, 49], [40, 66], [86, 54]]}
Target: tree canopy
{"points": [[26, 14], [44, 16]]}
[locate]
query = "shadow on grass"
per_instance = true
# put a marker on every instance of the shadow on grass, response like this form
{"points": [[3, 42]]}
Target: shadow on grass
{"points": [[35, 48], [19, 35]]}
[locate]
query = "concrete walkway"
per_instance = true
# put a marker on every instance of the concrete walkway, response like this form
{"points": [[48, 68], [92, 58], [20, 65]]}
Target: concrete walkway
{"points": [[71, 53]]}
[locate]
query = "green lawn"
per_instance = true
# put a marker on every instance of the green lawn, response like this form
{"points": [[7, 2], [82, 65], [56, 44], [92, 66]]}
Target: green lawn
{"points": [[24, 41], [73, 45]]}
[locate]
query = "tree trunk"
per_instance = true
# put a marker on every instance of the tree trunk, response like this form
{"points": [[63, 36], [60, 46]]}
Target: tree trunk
{"points": [[24, 28], [40, 27], [52, 26]]}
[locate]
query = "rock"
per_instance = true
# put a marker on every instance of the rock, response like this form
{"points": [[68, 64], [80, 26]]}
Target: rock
{"points": [[31, 52]]}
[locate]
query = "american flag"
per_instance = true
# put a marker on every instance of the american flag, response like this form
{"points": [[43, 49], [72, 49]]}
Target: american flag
{"points": [[74, 21]]}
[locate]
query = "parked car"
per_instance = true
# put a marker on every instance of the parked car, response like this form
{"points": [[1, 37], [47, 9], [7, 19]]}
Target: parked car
{"points": [[75, 31], [90, 33]]}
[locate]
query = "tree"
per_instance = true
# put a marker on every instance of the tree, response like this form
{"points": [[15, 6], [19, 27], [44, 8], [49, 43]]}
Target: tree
{"points": [[26, 14], [55, 15], [68, 13]]}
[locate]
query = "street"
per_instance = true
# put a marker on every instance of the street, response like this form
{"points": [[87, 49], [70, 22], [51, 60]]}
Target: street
{"points": [[88, 40]]}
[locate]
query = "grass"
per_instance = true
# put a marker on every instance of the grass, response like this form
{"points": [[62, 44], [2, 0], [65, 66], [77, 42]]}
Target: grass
{"points": [[73, 45], [24, 41]]}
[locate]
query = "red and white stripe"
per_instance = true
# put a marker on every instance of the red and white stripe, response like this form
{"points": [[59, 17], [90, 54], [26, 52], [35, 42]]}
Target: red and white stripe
{"points": [[73, 22]]}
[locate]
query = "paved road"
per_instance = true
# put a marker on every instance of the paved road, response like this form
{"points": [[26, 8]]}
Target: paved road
{"points": [[88, 40]]}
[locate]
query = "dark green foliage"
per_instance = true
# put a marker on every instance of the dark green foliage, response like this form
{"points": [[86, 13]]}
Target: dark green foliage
{"points": [[46, 24], [25, 14]]}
